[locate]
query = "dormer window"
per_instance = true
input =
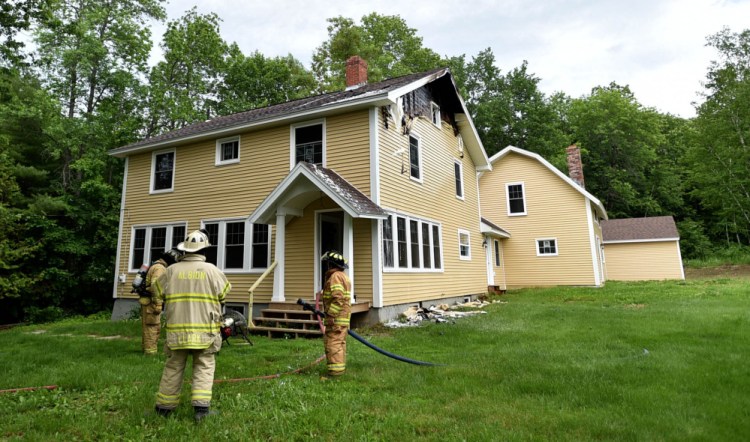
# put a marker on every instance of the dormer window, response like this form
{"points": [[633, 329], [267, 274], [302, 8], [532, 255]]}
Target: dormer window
{"points": [[228, 151]]}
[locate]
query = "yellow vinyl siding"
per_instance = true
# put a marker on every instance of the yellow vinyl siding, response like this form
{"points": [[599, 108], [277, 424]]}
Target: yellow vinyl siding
{"points": [[348, 148], [204, 191], [553, 210], [643, 261], [434, 200]]}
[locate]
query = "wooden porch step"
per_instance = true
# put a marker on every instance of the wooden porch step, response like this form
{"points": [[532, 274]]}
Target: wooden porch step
{"points": [[281, 319], [274, 332]]}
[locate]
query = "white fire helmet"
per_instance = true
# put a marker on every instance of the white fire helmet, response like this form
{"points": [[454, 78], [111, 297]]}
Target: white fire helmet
{"points": [[195, 242]]}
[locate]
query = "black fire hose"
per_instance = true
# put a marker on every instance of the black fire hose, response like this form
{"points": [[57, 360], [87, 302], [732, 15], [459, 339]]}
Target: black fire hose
{"points": [[355, 335]]}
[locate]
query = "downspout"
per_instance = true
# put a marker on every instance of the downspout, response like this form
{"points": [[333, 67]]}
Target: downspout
{"points": [[117, 282]]}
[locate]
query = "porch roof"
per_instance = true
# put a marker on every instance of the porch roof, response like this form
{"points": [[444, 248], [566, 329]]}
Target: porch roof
{"points": [[493, 229], [303, 185]]}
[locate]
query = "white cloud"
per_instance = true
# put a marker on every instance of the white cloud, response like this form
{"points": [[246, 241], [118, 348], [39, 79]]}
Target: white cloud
{"points": [[657, 47]]}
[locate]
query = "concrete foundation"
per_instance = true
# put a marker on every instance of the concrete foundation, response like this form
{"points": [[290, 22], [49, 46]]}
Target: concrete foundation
{"points": [[123, 308]]}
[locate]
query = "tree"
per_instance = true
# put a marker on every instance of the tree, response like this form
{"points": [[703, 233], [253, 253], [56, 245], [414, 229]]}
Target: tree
{"points": [[509, 109], [183, 88], [720, 154], [390, 47], [54, 134], [620, 140], [256, 81]]}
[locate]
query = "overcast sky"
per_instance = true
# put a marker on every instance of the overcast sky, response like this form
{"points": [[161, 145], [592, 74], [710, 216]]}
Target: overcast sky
{"points": [[657, 47]]}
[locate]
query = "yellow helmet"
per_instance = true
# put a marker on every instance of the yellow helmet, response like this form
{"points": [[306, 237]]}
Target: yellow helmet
{"points": [[195, 242]]}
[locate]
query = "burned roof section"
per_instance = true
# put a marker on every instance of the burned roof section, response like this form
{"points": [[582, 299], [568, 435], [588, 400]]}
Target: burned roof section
{"points": [[290, 108], [652, 228]]}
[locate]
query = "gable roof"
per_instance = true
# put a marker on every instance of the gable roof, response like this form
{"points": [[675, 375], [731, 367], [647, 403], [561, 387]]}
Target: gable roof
{"points": [[648, 229], [304, 184], [513, 149], [382, 93]]}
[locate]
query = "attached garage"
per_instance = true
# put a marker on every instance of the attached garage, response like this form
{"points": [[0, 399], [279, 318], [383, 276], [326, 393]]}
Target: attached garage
{"points": [[639, 249]]}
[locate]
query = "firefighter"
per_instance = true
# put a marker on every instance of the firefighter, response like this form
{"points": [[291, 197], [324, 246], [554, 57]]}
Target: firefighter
{"points": [[337, 307], [193, 291], [151, 305]]}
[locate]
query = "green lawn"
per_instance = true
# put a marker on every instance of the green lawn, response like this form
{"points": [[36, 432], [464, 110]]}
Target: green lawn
{"points": [[641, 361]]}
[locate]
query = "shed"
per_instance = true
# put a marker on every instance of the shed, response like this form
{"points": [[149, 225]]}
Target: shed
{"points": [[639, 249]]}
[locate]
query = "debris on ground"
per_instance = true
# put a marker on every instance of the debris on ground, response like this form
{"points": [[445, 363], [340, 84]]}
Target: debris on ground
{"points": [[414, 315]]}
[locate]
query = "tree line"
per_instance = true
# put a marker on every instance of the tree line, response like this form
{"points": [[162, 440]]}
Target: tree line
{"points": [[84, 86]]}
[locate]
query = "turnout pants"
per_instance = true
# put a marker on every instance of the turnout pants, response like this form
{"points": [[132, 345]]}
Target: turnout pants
{"points": [[335, 345], [151, 326], [204, 365]]}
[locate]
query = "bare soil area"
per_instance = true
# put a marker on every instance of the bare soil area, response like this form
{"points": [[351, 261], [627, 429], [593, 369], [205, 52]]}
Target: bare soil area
{"points": [[722, 271]]}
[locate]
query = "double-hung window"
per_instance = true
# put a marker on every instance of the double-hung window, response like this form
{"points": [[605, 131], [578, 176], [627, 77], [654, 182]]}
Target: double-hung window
{"points": [[308, 143], [410, 244], [149, 242], [162, 171], [546, 247], [228, 151], [516, 199], [415, 158], [237, 245], [464, 244], [458, 172]]}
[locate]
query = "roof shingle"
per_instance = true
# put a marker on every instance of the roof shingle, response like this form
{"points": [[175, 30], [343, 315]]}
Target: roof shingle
{"points": [[639, 229]]}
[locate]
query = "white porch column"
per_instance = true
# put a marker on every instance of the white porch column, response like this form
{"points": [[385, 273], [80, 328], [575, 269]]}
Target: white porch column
{"points": [[278, 275]]}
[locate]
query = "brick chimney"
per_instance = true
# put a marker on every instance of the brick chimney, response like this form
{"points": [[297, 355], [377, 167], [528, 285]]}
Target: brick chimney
{"points": [[575, 166], [356, 72]]}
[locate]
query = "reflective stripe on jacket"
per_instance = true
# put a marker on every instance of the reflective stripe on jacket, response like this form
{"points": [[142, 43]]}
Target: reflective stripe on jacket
{"points": [[157, 269], [193, 291], [337, 298]]}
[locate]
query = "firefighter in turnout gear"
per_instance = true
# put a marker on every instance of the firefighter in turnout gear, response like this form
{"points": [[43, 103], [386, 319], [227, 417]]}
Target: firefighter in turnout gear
{"points": [[337, 307], [151, 306], [193, 291]]}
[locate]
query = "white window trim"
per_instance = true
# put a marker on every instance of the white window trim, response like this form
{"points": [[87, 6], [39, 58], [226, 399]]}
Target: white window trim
{"points": [[248, 245], [507, 198], [409, 269], [461, 176], [293, 141], [219, 161], [468, 244], [434, 106], [147, 251], [153, 171], [536, 246], [421, 156]]}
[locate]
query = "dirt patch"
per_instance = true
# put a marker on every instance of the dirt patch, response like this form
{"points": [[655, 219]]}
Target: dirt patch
{"points": [[635, 306], [722, 271]]}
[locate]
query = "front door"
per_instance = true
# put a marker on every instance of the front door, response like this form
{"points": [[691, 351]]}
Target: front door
{"points": [[331, 237]]}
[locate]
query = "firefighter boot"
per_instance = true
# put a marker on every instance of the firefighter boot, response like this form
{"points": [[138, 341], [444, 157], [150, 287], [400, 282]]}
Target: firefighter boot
{"points": [[162, 411], [202, 412]]}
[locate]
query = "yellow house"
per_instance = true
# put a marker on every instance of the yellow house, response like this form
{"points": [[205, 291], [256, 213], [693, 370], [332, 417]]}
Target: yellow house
{"points": [[552, 223], [638, 249], [385, 173]]}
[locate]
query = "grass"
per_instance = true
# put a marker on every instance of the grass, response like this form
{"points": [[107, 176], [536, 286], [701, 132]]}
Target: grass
{"points": [[638, 361]]}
